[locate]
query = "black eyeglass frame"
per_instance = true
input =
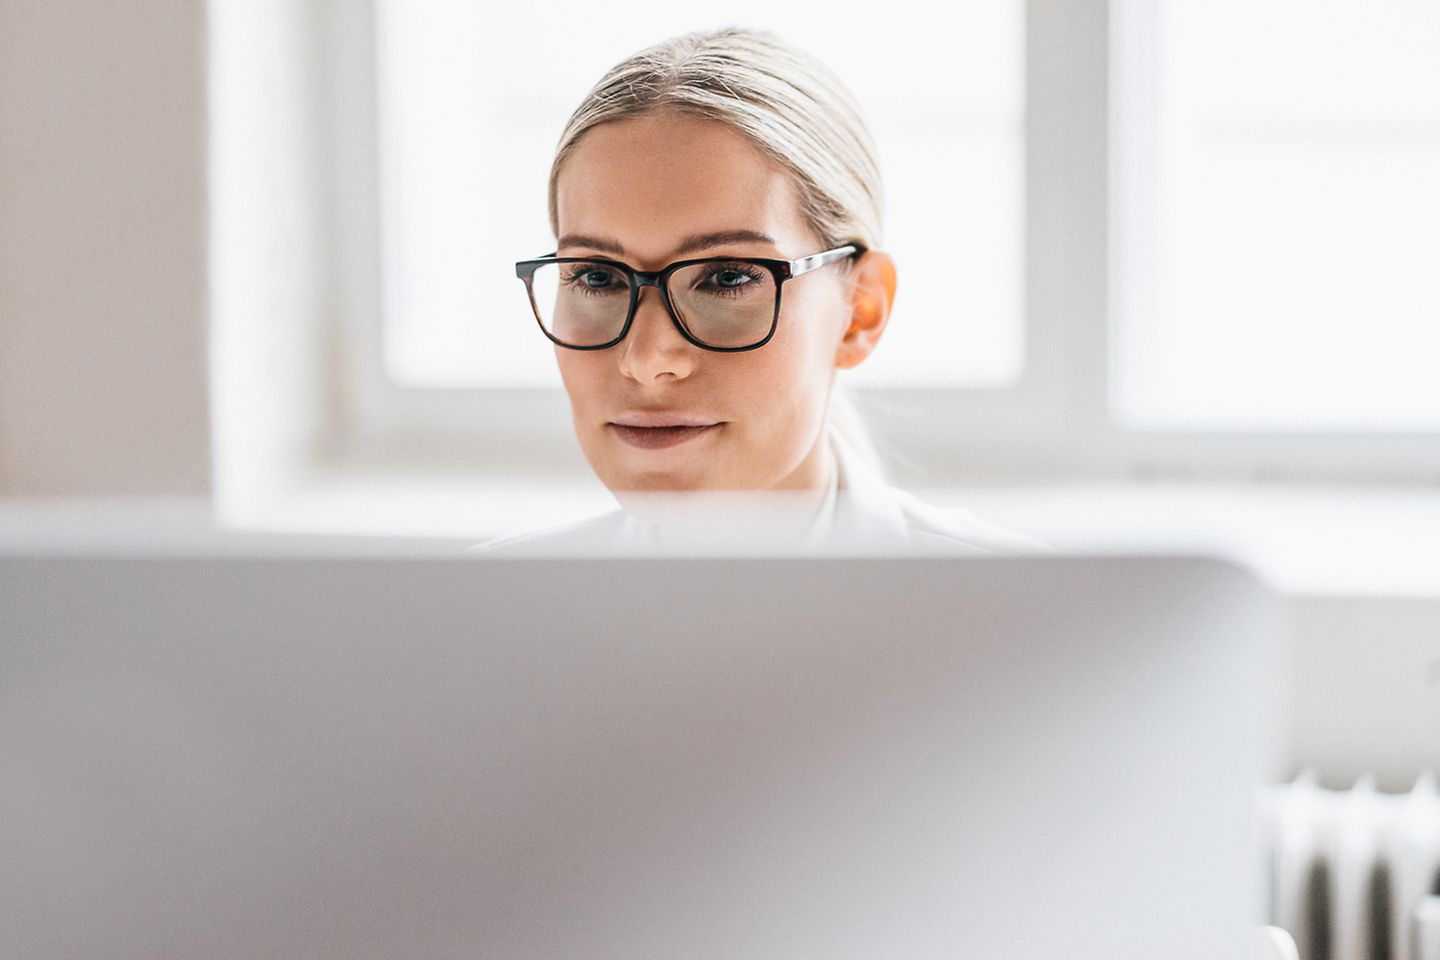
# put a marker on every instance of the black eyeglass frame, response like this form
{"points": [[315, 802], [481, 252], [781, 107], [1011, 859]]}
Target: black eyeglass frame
{"points": [[781, 270]]}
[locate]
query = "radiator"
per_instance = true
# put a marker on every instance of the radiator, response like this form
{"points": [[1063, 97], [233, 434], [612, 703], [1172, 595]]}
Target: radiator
{"points": [[1354, 874]]}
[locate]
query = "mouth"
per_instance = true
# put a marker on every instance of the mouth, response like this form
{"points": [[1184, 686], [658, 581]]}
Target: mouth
{"points": [[655, 438]]}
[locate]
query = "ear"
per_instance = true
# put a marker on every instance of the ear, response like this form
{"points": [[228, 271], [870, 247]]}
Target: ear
{"points": [[872, 296]]}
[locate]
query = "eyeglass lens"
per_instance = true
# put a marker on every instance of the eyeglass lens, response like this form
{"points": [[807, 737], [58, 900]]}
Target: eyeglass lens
{"points": [[721, 304]]}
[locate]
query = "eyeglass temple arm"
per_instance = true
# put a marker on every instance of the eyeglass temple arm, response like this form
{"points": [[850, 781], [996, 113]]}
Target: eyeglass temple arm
{"points": [[818, 260], [524, 268]]}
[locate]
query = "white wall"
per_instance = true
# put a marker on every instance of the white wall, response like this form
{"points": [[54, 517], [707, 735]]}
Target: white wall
{"points": [[1365, 675], [103, 386]]}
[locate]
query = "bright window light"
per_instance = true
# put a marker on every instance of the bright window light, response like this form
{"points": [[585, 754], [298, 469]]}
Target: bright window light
{"points": [[1278, 223], [472, 99]]}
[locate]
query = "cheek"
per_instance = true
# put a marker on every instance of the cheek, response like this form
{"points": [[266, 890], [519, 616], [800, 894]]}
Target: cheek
{"points": [[786, 385], [578, 374], [805, 351]]}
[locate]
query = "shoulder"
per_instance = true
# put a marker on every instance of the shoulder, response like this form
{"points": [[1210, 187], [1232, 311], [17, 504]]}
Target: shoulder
{"points": [[593, 533], [957, 530]]}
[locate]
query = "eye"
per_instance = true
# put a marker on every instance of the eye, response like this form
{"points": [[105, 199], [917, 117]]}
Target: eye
{"points": [[729, 279], [592, 278]]}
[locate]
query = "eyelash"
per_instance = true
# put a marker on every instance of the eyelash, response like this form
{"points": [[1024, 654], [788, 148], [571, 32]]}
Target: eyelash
{"points": [[743, 269]]}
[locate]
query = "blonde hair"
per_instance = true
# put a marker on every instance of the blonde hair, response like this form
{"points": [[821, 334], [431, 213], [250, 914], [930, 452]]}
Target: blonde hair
{"points": [[791, 106]]}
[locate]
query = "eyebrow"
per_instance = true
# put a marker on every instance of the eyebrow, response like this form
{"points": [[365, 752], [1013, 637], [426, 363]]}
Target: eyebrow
{"points": [[691, 244]]}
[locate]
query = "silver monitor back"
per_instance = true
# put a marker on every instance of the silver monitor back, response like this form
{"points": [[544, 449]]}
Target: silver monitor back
{"points": [[446, 757]]}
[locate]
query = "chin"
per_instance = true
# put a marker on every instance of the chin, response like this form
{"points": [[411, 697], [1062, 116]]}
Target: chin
{"points": [[656, 482], [623, 469]]}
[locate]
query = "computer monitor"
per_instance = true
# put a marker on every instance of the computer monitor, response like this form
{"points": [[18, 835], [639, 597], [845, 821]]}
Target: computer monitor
{"points": [[457, 756]]}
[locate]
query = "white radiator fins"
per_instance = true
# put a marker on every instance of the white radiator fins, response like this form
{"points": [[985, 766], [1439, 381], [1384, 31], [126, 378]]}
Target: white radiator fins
{"points": [[1299, 817], [1427, 929], [1354, 853], [1412, 848], [1355, 873]]}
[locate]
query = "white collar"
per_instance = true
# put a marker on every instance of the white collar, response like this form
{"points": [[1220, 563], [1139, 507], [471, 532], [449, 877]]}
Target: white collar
{"points": [[857, 511], [867, 511]]}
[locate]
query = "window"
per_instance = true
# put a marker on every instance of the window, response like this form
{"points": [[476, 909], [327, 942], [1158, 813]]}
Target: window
{"points": [[1279, 215], [1195, 240]]}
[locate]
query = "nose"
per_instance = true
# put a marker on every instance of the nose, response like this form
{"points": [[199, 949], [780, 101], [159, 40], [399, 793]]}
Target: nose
{"points": [[654, 349]]}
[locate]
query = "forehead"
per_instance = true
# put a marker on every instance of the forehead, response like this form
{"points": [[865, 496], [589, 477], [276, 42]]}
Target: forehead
{"points": [[649, 182]]}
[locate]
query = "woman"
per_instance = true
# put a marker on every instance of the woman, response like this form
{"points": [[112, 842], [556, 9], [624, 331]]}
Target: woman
{"points": [[717, 204]]}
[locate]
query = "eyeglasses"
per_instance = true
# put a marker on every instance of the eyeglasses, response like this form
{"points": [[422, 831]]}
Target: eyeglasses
{"points": [[727, 304]]}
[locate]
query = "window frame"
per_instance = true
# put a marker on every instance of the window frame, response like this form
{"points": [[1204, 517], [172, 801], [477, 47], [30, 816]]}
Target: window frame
{"points": [[1050, 426]]}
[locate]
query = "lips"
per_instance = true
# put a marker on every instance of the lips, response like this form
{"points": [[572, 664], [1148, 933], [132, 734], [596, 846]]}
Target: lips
{"points": [[662, 418], [654, 438]]}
